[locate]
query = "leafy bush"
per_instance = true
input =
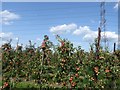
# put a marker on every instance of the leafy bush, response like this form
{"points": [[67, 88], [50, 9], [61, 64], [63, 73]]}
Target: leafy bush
{"points": [[63, 67]]}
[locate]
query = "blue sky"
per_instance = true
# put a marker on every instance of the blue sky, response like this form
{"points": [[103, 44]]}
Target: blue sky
{"points": [[58, 0], [78, 22]]}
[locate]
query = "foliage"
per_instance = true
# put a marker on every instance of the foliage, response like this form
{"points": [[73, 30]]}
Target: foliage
{"points": [[63, 67]]}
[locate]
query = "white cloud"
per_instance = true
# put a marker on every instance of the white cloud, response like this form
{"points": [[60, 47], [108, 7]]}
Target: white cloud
{"points": [[16, 38], [85, 32], [90, 35], [7, 17], [82, 30], [110, 36], [5, 37], [60, 29], [116, 6]]}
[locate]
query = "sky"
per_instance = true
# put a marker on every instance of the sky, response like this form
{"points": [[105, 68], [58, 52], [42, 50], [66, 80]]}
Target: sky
{"points": [[59, 0], [75, 21]]}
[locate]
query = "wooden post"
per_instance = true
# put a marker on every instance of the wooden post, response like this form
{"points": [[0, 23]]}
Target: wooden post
{"points": [[114, 46], [99, 37], [98, 43]]}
